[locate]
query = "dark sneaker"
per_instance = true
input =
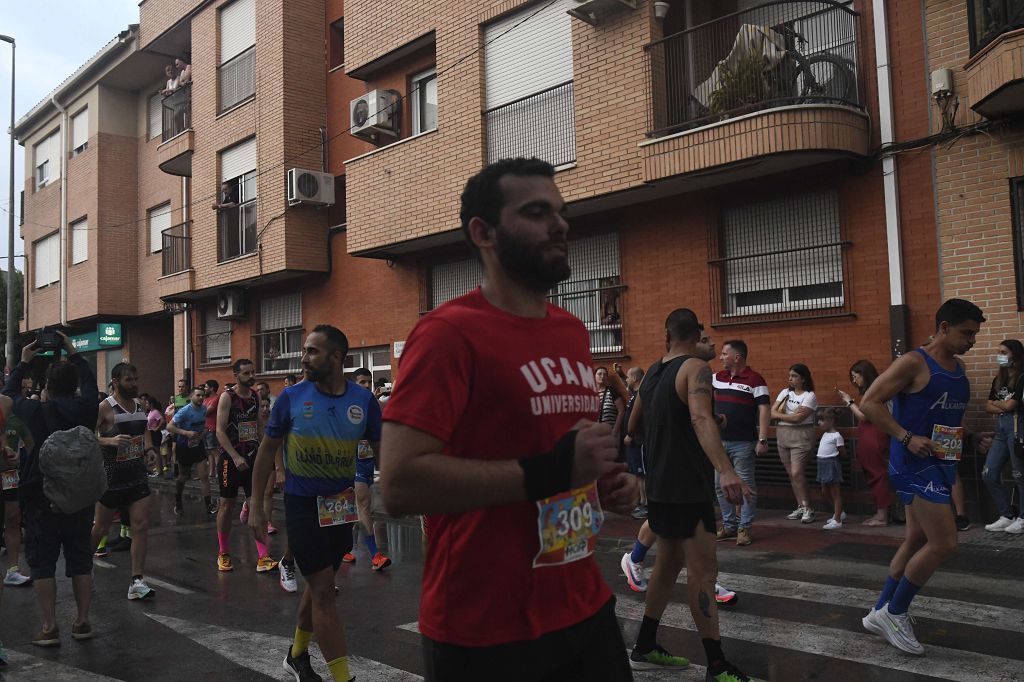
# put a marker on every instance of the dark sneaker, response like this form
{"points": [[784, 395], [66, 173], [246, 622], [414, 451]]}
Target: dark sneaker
{"points": [[728, 673], [81, 631], [962, 522], [656, 659], [725, 534], [178, 511], [300, 667]]}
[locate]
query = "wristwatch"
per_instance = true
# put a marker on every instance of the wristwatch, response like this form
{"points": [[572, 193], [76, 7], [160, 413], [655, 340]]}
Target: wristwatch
{"points": [[906, 438]]}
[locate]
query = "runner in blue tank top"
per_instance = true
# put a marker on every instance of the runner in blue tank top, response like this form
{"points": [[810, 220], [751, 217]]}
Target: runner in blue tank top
{"points": [[929, 392]]}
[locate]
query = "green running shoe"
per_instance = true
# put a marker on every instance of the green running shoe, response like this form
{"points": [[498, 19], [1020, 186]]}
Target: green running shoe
{"points": [[729, 673], [656, 659]]}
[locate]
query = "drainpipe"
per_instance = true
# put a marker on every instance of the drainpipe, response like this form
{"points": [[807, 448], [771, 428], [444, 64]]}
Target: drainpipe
{"points": [[897, 303], [187, 312], [63, 239]]}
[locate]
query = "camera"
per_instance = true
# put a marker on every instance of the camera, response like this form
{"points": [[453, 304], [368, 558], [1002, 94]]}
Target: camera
{"points": [[49, 339]]}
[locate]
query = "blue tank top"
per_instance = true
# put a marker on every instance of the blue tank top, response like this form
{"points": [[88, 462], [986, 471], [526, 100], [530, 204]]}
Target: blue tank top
{"points": [[941, 403]]}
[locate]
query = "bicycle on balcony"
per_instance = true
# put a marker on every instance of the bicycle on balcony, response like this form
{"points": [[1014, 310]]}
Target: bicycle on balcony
{"points": [[767, 66]]}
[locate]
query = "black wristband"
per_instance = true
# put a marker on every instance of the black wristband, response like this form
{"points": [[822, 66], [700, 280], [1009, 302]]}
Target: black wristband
{"points": [[906, 438], [549, 473]]}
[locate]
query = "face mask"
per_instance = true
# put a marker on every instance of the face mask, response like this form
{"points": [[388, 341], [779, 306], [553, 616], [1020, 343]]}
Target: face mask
{"points": [[1003, 360]]}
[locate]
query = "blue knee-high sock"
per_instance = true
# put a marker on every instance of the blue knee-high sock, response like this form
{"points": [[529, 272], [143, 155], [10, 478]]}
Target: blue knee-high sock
{"points": [[887, 592], [638, 553], [371, 544], [901, 599]]}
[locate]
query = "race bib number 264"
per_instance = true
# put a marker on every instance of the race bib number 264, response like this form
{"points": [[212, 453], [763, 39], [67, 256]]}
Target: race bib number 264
{"points": [[568, 525]]}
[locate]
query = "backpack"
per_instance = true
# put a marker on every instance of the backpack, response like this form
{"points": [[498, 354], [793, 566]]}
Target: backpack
{"points": [[71, 463]]}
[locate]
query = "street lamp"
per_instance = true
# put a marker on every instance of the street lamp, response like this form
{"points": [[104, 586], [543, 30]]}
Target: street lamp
{"points": [[11, 322]]}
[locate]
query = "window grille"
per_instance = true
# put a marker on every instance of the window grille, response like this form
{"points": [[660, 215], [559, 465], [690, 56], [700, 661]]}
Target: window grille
{"points": [[216, 338], [780, 259], [279, 343]]}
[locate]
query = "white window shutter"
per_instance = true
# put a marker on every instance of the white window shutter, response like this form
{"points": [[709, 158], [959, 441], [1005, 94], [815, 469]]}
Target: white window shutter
{"points": [[80, 129], [238, 160], [217, 338], [534, 55], [156, 116], [79, 241], [281, 312], [159, 220], [56, 154], [237, 29]]}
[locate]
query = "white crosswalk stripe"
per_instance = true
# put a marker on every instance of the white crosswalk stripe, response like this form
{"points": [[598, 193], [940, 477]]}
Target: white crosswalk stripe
{"points": [[950, 610], [264, 653], [941, 662], [26, 668]]}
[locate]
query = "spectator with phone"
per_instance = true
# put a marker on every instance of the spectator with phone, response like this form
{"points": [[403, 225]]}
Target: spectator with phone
{"points": [[795, 410], [71, 400], [872, 444]]}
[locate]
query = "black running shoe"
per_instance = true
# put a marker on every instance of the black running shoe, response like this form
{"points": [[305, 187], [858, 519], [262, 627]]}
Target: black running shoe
{"points": [[727, 673], [300, 667], [962, 522]]}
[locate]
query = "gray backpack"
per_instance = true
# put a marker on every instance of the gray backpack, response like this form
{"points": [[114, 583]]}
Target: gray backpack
{"points": [[71, 463]]}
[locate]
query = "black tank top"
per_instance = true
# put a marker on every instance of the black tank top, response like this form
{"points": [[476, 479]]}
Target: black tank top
{"points": [[126, 464], [678, 471]]}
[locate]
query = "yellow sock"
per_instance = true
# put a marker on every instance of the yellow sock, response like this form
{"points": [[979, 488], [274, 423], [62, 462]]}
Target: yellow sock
{"points": [[301, 642], [339, 669]]}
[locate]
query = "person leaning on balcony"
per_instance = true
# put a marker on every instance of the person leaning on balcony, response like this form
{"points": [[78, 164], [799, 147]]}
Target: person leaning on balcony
{"points": [[184, 72], [172, 81]]}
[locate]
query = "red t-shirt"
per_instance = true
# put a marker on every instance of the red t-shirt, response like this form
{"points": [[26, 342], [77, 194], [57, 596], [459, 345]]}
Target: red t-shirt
{"points": [[492, 385], [210, 404]]}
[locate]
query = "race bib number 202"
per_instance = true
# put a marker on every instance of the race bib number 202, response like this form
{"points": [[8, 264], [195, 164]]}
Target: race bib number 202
{"points": [[568, 525], [947, 441]]}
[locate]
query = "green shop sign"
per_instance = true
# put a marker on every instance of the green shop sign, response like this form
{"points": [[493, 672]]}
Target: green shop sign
{"points": [[107, 335]]}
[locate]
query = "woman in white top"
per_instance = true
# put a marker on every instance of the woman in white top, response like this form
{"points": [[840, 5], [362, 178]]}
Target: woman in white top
{"points": [[796, 411], [172, 80], [184, 71]]}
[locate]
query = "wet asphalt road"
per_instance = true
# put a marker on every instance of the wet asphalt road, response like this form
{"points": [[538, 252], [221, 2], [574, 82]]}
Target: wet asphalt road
{"points": [[798, 616]]}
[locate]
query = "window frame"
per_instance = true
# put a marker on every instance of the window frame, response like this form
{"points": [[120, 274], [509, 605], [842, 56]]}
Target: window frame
{"points": [[246, 218], [364, 358], [55, 261], [84, 111], [290, 340], [418, 95], [335, 60], [205, 338], [150, 213]]}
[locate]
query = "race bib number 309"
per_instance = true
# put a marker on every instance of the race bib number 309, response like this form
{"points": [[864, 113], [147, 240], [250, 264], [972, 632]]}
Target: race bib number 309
{"points": [[568, 525]]}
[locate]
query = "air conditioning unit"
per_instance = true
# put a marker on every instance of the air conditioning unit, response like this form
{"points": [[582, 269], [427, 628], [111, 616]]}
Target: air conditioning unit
{"points": [[310, 187], [374, 114], [230, 304]]}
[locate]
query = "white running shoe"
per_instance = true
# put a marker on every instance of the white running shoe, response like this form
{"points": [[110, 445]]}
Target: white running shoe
{"points": [[899, 631], [1017, 527], [796, 514], [832, 524], [871, 624], [842, 517], [288, 582], [15, 577], [634, 574], [808, 515], [999, 525], [140, 590]]}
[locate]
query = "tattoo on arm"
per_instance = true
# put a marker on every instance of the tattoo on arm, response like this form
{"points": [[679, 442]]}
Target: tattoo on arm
{"points": [[702, 382], [705, 603]]}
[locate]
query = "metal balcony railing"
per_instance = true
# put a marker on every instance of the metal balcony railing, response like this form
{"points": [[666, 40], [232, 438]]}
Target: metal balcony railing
{"points": [[236, 231], [177, 112], [542, 125], [772, 55], [177, 248], [989, 19], [237, 79]]}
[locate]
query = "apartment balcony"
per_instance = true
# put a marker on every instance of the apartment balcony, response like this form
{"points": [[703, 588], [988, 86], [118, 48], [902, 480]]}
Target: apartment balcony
{"points": [[765, 90], [174, 155], [178, 277], [540, 125], [995, 72]]}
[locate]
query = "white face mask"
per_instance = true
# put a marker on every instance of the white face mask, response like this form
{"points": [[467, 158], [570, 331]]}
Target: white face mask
{"points": [[1003, 360]]}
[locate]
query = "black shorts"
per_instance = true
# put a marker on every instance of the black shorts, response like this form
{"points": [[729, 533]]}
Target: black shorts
{"points": [[635, 459], [47, 533], [189, 456], [231, 479], [313, 547], [112, 499], [678, 521], [593, 649]]}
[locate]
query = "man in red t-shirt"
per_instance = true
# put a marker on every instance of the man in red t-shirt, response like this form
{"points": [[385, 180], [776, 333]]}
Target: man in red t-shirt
{"points": [[508, 463]]}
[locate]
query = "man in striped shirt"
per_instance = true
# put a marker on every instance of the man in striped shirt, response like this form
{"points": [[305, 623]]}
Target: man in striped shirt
{"points": [[741, 397]]}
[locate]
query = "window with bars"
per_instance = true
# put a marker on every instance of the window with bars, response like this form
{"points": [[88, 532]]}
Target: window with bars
{"points": [[279, 341], [593, 292], [780, 259], [377, 359], [215, 339]]}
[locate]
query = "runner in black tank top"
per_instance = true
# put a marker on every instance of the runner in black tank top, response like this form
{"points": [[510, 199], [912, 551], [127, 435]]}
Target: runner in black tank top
{"points": [[125, 442], [683, 450]]}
